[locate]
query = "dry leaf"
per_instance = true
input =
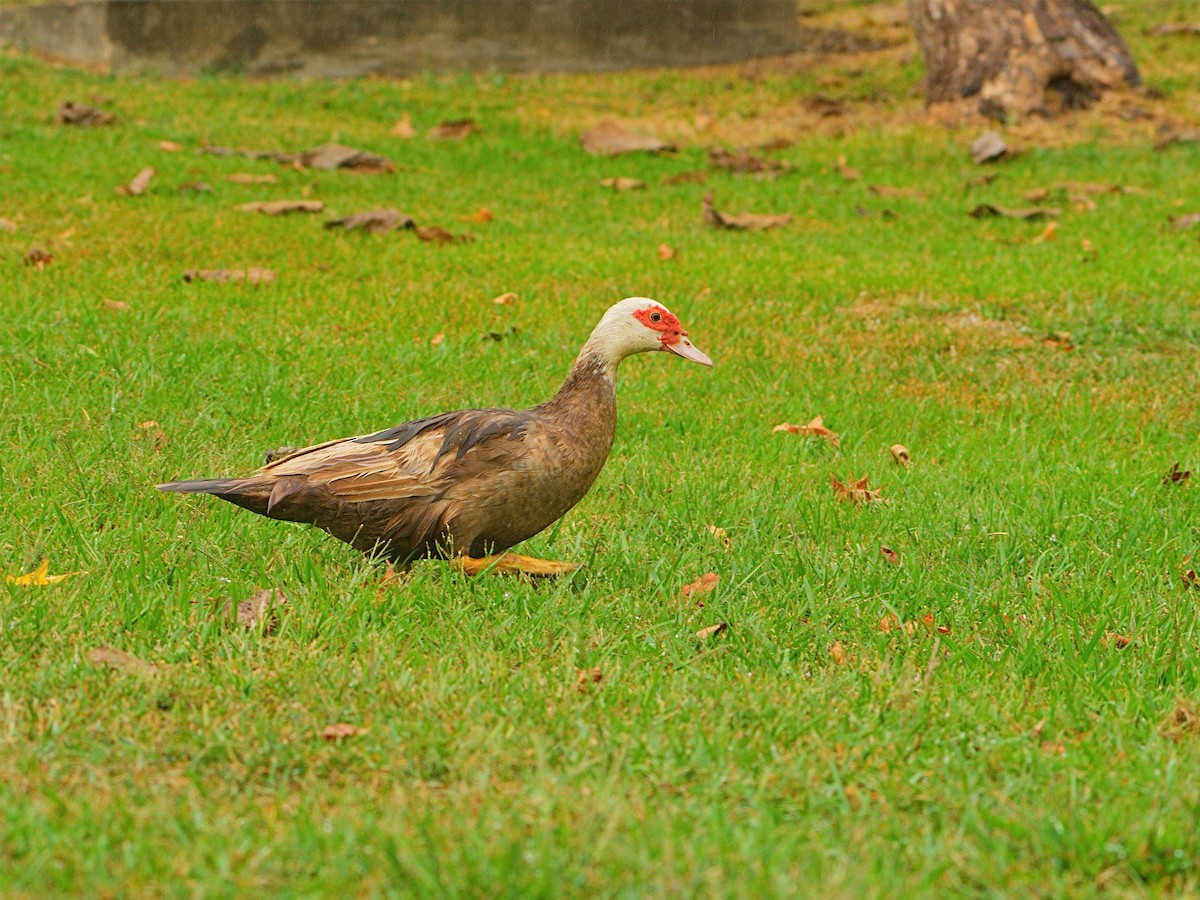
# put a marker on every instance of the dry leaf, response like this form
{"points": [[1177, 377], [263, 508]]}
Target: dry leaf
{"points": [[1059, 341], [282, 207], [1089, 249], [986, 210], [1120, 641], [437, 339], [138, 185], [848, 172], [855, 491], [837, 653], [1169, 134], [705, 584], [610, 139], [742, 221], [339, 731], [697, 177], [1047, 233], [1055, 748], [890, 623], [666, 251], [927, 620], [38, 257], [987, 147], [887, 190], [8, 225], [1185, 222], [1183, 721], [197, 187], [375, 221], [720, 534], [39, 577], [118, 305], [1176, 475], [585, 678], [1037, 195], [981, 180], [900, 454], [250, 276], [1190, 579], [481, 215], [454, 130], [403, 128], [71, 113], [712, 630], [252, 178], [506, 299], [170, 146], [260, 611], [120, 661], [890, 555], [622, 183], [815, 428], [435, 234], [741, 161], [151, 429], [336, 156], [1169, 28], [824, 105]]}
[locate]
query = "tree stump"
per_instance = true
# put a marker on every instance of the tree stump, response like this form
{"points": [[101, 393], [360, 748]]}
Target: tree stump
{"points": [[1019, 56]]}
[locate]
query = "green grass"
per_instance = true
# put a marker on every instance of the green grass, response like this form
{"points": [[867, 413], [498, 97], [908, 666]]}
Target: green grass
{"points": [[1022, 752]]}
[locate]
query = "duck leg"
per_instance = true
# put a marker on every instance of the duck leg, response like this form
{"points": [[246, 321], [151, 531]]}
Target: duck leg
{"points": [[514, 564]]}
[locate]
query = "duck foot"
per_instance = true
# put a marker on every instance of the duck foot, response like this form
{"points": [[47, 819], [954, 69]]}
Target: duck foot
{"points": [[513, 564]]}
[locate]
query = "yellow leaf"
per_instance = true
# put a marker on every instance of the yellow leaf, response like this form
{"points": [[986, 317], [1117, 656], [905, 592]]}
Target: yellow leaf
{"points": [[39, 576]]}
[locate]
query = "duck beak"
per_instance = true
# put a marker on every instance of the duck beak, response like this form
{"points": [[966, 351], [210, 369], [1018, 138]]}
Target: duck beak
{"points": [[683, 347]]}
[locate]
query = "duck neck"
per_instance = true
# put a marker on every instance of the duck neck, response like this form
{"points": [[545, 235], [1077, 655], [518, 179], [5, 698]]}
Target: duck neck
{"points": [[593, 379]]}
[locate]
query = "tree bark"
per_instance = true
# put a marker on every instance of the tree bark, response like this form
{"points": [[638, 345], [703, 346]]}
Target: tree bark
{"points": [[1019, 56]]}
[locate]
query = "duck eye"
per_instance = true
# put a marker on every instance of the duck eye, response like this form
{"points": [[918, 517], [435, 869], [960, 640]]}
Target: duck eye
{"points": [[655, 317]]}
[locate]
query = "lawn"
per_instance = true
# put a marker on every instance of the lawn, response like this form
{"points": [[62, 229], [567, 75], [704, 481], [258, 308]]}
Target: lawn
{"points": [[1012, 698]]}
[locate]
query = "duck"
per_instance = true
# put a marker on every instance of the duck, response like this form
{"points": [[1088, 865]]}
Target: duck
{"points": [[470, 484]]}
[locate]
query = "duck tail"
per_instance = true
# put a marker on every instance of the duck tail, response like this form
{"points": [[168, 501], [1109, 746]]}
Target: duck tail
{"points": [[247, 493]]}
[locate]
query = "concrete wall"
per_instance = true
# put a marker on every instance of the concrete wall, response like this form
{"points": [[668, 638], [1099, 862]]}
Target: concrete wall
{"points": [[341, 38]]}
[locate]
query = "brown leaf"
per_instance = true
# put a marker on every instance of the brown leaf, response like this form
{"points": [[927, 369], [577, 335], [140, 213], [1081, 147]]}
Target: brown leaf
{"points": [[437, 339], [887, 190], [824, 105], [453, 130], [435, 234], [120, 661], [1190, 579], [282, 207], [927, 620], [986, 210], [890, 555], [71, 113], [138, 185], [116, 305], [705, 584], [610, 139], [1037, 195], [1047, 233], [1120, 641], [170, 146], [854, 492], [742, 161], [1089, 249], [508, 298], [848, 172], [742, 221], [720, 534], [666, 251], [982, 180], [900, 454], [251, 276], [1169, 28], [1058, 341], [151, 429], [815, 428], [482, 215], [837, 653], [1183, 721], [697, 177], [8, 225], [1185, 222], [252, 178], [375, 221], [585, 678], [403, 128], [38, 257], [197, 187], [260, 611], [623, 183], [337, 156], [339, 731], [888, 623], [712, 630], [1055, 748], [1169, 134], [1176, 475], [987, 147]]}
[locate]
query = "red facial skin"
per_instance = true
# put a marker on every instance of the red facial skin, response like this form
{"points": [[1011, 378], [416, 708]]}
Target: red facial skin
{"points": [[668, 324]]}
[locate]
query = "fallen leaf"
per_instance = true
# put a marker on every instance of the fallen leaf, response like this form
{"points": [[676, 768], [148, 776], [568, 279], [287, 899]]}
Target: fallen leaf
{"points": [[927, 620], [890, 623], [1047, 233], [1120, 641], [837, 653], [900, 454], [703, 120], [824, 105], [705, 584], [197, 187], [339, 731], [1170, 28], [403, 128], [39, 577], [890, 555], [250, 276], [375, 221], [1089, 249], [854, 492], [720, 534], [1185, 222], [170, 146], [435, 234], [259, 612], [337, 156], [742, 161], [742, 221], [117, 305], [1037, 195], [506, 299], [38, 257], [277, 155], [120, 661], [1184, 720], [252, 178], [1056, 748], [987, 147], [985, 210], [848, 172], [1059, 341], [1176, 475], [1169, 134], [666, 251], [887, 190], [982, 180], [71, 113], [815, 428], [138, 185], [282, 207], [1190, 578], [712, 630], [8, 225], [608, 138], [585, 678], [437, 339], [622, 183], [481, 215], [151, 429], [453, 130], [697, 177]]}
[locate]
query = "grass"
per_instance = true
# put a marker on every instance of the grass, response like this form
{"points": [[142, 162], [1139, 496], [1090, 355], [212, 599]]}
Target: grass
{"points": [[1024, 751]]}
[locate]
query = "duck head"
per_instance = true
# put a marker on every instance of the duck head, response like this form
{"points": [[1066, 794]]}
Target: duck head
{"points": [[639, 325]]}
